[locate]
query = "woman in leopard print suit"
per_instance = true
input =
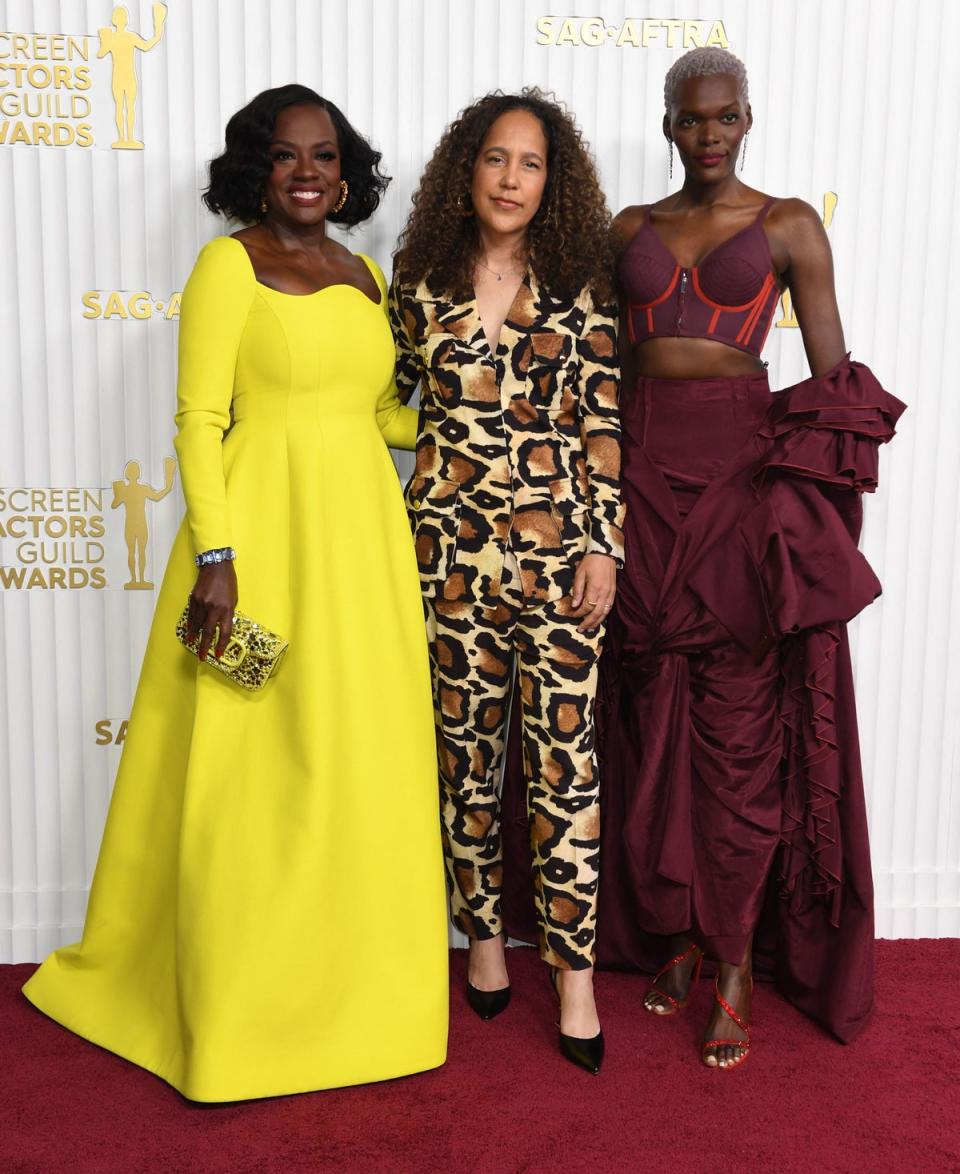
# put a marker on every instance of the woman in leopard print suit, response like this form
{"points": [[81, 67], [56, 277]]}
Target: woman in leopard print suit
{"points": [[502, 312]]}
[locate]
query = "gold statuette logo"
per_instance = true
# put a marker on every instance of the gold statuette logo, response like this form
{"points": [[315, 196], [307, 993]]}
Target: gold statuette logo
{"points": [[133, 496], [121, 46], [49, 87], [58, 538]]}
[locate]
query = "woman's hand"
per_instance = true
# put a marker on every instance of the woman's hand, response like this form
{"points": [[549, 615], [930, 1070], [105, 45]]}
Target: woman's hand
{"points": [[212, 603], [594, 586]]}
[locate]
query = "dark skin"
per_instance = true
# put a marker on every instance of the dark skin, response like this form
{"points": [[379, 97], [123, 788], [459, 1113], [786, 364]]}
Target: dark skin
{"points": [[707, 125], [290, 252], [713, 204]]}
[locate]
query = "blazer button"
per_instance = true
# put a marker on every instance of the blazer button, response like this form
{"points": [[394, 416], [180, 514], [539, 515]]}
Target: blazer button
{"points": [[415, 503]]}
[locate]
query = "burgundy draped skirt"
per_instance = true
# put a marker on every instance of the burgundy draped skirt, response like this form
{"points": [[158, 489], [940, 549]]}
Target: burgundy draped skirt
{"points": [[731, 789], [701, 738]]}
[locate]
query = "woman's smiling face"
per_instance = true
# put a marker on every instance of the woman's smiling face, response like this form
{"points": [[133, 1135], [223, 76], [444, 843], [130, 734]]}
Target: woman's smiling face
{"points": [[304, 185]]}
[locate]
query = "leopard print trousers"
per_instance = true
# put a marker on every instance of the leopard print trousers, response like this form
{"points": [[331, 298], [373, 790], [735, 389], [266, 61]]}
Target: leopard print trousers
{"points": [[473, 651]]}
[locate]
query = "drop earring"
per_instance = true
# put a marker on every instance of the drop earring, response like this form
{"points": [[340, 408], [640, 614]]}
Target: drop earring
{"points": [[743, 149], [670, 141], [263, 205]]}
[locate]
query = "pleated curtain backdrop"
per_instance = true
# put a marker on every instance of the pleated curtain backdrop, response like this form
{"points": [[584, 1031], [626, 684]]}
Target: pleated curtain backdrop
{"points": [[854, 111]]}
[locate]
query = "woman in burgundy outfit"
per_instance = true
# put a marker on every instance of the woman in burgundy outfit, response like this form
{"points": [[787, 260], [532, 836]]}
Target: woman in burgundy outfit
{"points": [[729, 740]]}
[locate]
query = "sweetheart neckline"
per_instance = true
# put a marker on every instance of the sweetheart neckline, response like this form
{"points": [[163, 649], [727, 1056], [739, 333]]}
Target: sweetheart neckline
{"points": [[757, 222], [324, 288]]}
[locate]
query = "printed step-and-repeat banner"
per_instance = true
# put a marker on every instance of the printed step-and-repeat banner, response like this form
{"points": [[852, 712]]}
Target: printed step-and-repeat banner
{"points": [[108, 115]]}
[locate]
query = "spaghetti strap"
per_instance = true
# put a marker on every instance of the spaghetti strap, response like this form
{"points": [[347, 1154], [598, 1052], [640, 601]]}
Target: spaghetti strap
{"points": [[765, 210]]}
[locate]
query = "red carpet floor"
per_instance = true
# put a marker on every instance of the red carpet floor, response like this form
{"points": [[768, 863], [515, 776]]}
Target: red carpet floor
{"points": [[507, 1102]]}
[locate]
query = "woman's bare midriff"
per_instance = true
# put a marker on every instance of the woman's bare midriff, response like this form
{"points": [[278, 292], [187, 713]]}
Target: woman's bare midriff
{"points": [[691, 358]]}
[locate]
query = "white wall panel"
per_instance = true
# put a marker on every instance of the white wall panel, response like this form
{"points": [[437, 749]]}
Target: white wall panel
{"points": [[850, 97]]}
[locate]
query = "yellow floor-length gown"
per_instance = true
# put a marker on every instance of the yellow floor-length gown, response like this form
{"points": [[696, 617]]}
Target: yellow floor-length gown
{"points": [[268, 913]]}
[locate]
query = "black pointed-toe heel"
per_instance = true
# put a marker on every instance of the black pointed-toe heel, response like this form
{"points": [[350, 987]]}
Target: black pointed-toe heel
{"points": [[488, 1004], [585, 1053]]}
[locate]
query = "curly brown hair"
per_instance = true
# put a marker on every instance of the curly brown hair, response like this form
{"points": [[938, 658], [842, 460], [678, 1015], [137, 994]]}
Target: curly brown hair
{"points": [[569, 238]]}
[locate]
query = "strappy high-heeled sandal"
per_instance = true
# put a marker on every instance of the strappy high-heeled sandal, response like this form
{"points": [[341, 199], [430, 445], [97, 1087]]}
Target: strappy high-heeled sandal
{"points": [[742, 1044], [675, 1005]]}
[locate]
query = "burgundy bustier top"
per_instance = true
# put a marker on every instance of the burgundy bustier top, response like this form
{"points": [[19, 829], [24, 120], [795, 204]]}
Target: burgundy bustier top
{"points": [[729, 297]]}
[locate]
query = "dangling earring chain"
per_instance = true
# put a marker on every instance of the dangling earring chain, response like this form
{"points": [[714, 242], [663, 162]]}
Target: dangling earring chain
{"points": [[743, 149], [670, 141]]}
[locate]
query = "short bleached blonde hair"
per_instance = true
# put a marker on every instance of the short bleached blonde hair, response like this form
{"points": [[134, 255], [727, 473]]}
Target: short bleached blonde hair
{"points": [[706, 62]]}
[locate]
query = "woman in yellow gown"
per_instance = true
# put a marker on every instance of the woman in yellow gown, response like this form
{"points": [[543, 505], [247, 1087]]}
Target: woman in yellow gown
{"points": [[268, 910]]}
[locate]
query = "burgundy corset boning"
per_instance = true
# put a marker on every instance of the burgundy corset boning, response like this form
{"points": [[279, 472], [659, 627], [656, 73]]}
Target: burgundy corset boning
{"points": [[729, 297]]}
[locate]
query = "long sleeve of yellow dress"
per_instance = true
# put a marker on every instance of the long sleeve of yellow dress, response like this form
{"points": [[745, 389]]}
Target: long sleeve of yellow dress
{"points": [[213, 316], [398, 423]]}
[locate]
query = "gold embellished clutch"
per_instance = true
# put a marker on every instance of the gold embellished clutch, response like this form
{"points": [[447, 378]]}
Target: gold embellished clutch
{"points": [[252, 653]]}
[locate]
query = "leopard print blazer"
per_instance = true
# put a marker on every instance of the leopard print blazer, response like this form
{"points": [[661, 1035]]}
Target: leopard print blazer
{"points": [[520, 447]]}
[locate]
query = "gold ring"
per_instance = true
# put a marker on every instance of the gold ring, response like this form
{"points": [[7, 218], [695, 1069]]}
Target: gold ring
{"points": [[593, 602]]}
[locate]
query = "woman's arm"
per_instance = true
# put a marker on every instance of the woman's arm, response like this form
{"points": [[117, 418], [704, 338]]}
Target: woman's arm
{"points": [[213, 314], [809, 277], [398, 423], [595, 580], [625, 349], [626, 225], [599, 387], [408, 362]]}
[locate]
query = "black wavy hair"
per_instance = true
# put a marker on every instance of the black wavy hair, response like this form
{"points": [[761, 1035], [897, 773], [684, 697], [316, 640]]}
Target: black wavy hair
{"points": [[239, 175]]}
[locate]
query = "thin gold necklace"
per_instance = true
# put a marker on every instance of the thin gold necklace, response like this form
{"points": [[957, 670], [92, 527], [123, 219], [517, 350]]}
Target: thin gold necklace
{"points": [[498, 276]]}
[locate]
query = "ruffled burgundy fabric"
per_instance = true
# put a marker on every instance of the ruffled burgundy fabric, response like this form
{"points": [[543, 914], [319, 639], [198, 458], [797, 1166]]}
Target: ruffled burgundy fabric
{"points": [[767, 560]]}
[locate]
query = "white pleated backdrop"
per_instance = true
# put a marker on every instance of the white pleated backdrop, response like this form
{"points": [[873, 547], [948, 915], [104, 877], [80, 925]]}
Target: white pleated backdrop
{"points": [[853, 98]]}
